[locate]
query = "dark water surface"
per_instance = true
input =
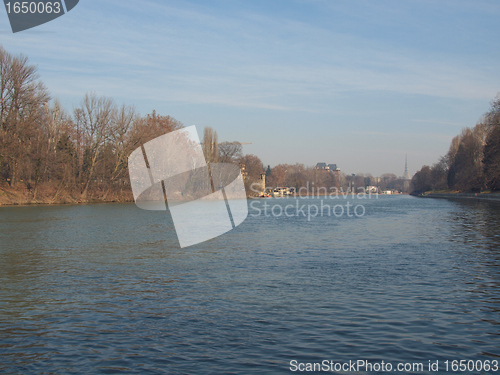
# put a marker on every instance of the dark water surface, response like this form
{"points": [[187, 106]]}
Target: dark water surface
{"points": [[106, 289]]}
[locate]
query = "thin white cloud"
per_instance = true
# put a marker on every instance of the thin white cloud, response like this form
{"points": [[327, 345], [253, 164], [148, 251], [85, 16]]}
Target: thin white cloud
{"points": [[247, 55], [438, 122]]}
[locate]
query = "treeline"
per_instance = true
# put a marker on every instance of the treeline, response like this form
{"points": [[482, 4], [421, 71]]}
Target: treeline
{"points": [[49, 155], [472, 163]]}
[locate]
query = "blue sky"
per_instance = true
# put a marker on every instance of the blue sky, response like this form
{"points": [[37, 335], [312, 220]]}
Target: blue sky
{"points": [[356, 83]]}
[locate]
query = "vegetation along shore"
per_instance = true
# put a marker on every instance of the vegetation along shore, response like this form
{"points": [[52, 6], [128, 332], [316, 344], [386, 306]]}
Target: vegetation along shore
{"points": [[471, 168]]}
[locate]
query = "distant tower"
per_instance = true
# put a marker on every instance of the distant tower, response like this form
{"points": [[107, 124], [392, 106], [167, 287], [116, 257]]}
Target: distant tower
{"points": [[406, 177]]}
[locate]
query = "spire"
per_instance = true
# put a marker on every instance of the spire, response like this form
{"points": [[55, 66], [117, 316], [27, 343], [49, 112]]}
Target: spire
{"points": [[406, 175]]}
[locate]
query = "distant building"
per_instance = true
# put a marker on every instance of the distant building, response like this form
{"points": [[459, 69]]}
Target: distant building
{"points": [[321, 166], [262, 182], [406, 177], [327, 167]]}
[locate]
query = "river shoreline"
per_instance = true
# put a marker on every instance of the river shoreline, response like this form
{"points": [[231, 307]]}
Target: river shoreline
{"points": [[494, 197], [46, 196]]}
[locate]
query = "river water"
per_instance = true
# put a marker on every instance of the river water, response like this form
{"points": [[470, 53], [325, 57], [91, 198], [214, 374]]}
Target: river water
{"points": [[106, 289]]}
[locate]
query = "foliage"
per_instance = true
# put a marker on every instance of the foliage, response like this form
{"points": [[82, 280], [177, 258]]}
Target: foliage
{"points": [[472, 163], [84, 153], [491, 158]]}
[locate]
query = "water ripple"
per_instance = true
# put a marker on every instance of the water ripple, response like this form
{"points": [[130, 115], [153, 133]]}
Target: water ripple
{"points": [[106, 289]]}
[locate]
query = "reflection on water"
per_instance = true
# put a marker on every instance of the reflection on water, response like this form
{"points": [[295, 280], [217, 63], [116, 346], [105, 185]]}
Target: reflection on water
{"points": [[106, 289]]}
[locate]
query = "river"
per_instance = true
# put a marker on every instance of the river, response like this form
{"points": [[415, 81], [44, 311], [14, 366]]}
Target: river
{"points": [[106, 289]]}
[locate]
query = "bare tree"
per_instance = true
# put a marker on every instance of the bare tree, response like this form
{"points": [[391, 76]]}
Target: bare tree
{"points": [[422, 180], [439, 174], [22, 99], [123, 121], [466, 169], [54, 126], [251, 168], [298, 175], [278, 176], [230, 152], [492, 148], [151, 126], [94, 119], [210, 145]]}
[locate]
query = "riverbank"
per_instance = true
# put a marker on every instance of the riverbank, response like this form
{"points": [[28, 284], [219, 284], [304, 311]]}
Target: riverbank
{"points": [[470, 196], [48, 194], [53, 194]]}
